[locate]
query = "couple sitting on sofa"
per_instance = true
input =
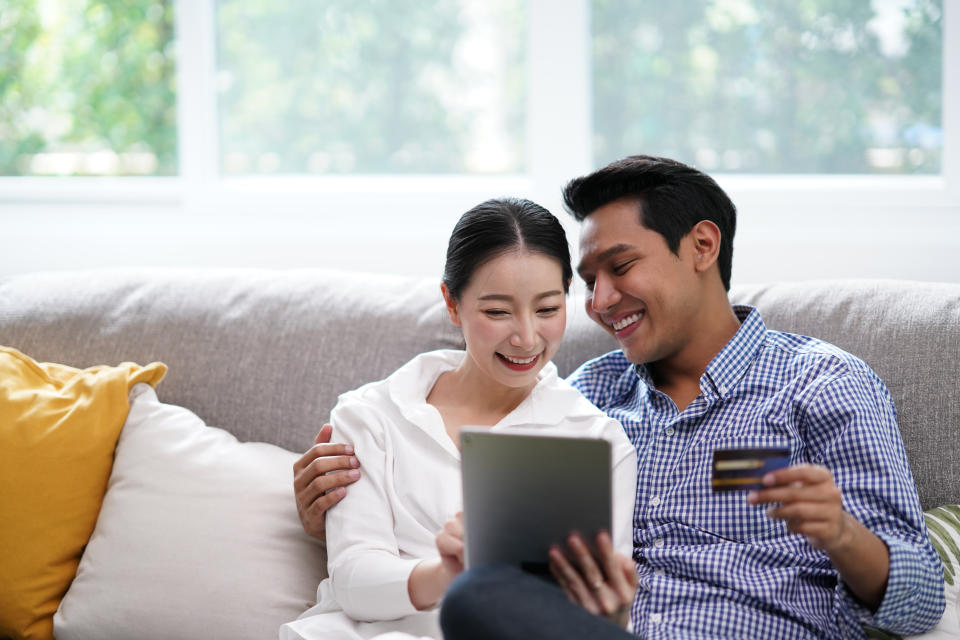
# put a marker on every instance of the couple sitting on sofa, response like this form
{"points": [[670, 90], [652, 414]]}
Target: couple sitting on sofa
{"points": [[833, 541]]}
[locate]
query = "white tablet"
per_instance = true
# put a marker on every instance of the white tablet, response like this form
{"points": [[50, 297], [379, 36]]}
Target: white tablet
{"points": [[524, 493]]}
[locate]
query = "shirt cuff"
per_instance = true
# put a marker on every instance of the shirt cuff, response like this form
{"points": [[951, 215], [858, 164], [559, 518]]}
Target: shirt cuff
{"points": [[908, 592], [377, 588]]}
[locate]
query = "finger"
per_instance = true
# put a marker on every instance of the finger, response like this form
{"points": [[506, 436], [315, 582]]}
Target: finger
{"points": [[611, 565], [557, 574], [585, 562], [803, 473], [315, 512], [574, 582], [807, 512], [449, 545], [454, 527], [814, 493], [321, 450], [324, 484], [323, 436], [322, 466], [629, 569]]}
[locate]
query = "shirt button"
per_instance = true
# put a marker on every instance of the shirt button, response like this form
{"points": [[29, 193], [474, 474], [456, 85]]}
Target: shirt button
{"points": [[655, 618], [723, 390], [654, 501], [658, 543], [668, 431], [659, 572]]}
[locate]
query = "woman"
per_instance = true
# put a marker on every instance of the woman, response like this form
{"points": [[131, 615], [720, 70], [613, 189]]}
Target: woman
{"points": [[505, 282]]}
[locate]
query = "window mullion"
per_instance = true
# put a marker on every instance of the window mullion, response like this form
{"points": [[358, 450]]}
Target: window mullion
{"points": [[197, 126], [950, 116], [558, 99]]}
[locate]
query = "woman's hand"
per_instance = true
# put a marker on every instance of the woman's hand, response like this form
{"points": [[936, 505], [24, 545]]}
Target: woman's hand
{"points": [[450, 545], [429, 580], [605, 588]]}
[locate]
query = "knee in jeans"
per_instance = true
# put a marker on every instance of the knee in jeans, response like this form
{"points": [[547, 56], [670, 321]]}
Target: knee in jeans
{"points": [[467, 599]]}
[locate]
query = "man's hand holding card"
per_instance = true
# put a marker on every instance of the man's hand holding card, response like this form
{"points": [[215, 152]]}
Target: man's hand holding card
{"points": [[803, 495], [806, 497]]}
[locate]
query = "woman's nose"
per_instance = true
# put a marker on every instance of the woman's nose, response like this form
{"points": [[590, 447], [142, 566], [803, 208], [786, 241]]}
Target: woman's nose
{"points": [[524, 335]]}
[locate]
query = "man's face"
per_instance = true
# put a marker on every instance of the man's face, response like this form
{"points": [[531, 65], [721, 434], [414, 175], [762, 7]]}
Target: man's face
{"points": [[638, 290]]}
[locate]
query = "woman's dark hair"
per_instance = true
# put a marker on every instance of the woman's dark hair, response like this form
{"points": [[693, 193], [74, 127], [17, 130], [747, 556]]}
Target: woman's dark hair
{"points": [[672, 198], [498, 226]]}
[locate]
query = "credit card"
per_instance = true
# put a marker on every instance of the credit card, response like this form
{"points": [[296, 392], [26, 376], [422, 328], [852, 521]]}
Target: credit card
{"points": [[743, 469]]}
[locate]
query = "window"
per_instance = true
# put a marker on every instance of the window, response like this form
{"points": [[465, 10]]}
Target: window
{"points": [[749, 86], [366, 98], [87, 88], [342, 87]]}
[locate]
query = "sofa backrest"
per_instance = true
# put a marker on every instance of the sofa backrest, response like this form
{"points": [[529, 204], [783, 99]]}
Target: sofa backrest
{"points": [[264, 354]]}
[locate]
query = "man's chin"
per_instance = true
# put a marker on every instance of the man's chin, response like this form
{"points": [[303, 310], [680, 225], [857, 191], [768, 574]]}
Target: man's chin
{"points": [[633, 354]]}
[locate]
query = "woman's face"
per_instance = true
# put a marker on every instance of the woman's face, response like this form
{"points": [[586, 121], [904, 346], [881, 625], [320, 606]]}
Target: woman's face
{"points": [[513, 313]]}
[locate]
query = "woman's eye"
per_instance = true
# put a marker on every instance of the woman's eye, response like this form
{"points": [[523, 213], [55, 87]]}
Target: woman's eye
{"points": [[548, 310], [495, 313]]}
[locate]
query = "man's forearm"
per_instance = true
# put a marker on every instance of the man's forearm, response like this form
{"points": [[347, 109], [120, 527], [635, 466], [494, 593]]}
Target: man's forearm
{"points": [[863, 562]]}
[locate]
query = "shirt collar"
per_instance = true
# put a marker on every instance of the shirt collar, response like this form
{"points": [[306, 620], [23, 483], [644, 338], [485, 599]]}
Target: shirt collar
{"points": [[551, 402], [728, 366]]}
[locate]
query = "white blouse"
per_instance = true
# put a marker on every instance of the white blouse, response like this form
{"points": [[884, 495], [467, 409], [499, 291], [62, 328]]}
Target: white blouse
{"points": [[410, 486]]}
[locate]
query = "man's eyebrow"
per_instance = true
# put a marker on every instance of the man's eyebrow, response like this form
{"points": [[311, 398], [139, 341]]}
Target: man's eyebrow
{"points": [[504, 297], [607, 254]]}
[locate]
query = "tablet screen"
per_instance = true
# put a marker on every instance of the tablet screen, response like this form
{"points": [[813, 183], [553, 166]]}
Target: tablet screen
{"points": [[523, 493]]}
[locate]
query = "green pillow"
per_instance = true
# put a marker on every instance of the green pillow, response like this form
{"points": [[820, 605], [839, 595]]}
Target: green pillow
{"points": [[943, 526]]}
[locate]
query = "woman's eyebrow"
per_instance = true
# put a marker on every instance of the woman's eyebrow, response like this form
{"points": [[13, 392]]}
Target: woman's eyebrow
{"points": [[508, 298]]}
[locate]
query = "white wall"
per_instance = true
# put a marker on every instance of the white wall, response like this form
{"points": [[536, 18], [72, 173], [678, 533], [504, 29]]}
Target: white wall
{"points": [[795, 240]]}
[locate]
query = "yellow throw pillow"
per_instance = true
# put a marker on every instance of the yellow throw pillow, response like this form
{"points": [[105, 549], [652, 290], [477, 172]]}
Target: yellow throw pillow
{"points": [[58, 429]]}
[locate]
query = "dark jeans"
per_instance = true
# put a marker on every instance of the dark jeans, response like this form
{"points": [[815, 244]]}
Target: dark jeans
{"points": [[501, 602]]}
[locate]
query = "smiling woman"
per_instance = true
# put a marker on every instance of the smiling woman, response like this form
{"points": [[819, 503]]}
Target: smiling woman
{"points": [[396, 543]]}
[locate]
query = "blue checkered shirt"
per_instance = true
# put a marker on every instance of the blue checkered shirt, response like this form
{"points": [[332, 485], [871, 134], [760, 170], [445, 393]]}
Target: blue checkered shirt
{"points": [[712, 566]]}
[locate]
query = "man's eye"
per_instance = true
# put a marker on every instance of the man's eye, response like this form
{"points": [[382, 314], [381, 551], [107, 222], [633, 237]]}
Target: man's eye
{"points": [[621, 268]]}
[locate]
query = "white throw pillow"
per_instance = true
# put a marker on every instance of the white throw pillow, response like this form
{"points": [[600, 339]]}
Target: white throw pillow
{"points": [[198, 537]]}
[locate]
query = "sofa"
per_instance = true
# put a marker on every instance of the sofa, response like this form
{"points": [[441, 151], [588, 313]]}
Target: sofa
{"points": [[255, 361]]}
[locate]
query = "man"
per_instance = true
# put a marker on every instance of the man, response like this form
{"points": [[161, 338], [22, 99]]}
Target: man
{"points": [[833, 541]]}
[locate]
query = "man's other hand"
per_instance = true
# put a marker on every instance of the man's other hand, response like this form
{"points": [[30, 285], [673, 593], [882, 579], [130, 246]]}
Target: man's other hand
{"points": [[604, 586], [320, 478]]}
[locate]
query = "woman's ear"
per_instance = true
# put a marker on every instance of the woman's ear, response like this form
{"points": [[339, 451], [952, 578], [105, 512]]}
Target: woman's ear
{"points": [[706, 244], [453, 309]]}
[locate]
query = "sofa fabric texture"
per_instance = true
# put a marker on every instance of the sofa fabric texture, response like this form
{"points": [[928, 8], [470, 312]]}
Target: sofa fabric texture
{"points": [[264, 354]]}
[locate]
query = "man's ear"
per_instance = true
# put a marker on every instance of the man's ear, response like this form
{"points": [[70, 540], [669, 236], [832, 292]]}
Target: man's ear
{"points": [[705, 241], [453, 309]]}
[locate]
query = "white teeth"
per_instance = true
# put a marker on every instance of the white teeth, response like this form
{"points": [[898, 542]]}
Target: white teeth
{"points": [[626, 322], [520, 360]]}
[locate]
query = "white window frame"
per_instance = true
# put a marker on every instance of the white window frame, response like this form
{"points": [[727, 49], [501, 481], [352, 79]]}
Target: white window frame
{"points": [[558, 145]]}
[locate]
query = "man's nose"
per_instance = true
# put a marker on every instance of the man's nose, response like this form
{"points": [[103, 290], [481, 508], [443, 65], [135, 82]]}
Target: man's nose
{"points": [[604, 295]]}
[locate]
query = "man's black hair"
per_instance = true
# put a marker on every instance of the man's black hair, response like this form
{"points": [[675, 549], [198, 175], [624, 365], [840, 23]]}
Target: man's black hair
{"points": [[672, 198]]}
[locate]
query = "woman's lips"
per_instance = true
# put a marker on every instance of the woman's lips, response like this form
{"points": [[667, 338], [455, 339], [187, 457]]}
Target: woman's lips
{"points": [[519, 364]]}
